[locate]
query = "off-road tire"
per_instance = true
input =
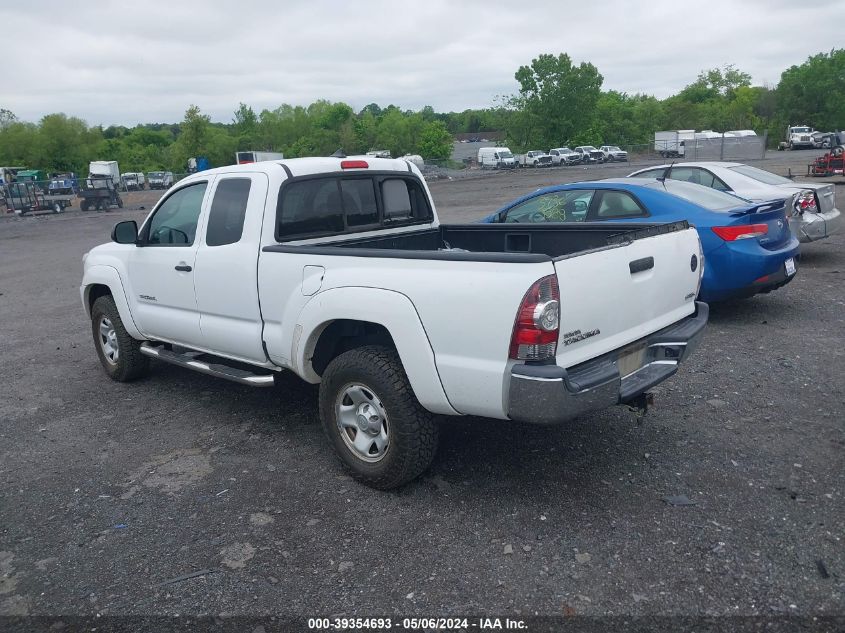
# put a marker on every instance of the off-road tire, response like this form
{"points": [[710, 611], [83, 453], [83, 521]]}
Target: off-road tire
{"points": [[131, 364], [413, 430]]}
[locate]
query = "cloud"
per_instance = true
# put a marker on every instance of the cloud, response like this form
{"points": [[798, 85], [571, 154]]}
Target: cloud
{"points": [[120, 63]]}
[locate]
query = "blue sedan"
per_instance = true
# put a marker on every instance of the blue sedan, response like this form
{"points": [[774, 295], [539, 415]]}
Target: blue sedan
{"points": [[748, 248]]}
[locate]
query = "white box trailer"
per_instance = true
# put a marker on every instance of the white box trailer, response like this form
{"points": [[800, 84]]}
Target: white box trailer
{"points": [[245, 158], [671, 142], [99, 169]]}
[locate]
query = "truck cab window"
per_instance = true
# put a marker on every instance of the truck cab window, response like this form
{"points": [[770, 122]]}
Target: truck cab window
{"points": [[404, 200], [359, 202], [228, 210], [325, 206], [175, 221], [311, 207], [397, 200]]}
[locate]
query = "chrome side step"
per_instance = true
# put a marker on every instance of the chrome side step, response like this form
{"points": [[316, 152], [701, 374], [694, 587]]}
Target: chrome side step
{"points": [[189, 360]]}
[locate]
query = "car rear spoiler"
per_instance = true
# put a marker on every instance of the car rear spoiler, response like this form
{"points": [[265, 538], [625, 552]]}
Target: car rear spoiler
{"points": [[771, 205]]}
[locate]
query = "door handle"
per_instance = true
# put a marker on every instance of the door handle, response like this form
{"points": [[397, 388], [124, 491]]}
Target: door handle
{"points": [[184, 268], [640, 265]]}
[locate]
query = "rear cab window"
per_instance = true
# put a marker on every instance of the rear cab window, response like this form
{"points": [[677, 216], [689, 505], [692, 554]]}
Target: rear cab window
{"points": [[338, 204]]}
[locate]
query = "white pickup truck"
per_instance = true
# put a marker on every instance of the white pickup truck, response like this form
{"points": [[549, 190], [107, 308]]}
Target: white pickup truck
{"points": [[337, 269]]}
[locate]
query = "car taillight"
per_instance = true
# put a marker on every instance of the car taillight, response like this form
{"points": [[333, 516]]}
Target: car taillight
{"points": [[740, 232], [535, 331], [805, 201], [354, 164]]}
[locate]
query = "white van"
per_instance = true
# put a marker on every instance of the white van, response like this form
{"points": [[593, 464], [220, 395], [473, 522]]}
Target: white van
{"points": [[496, 158]]}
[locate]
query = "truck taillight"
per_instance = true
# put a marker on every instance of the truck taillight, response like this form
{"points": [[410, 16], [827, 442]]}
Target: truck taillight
{"points": [[354, 164], [741, 231], [535, 331]]}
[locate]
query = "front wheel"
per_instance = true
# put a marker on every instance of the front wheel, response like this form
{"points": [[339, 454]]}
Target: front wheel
{"points": [[119, 353], [378, 429]]}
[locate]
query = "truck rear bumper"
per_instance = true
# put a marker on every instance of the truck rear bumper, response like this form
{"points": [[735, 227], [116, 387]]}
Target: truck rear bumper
{"points": [[548, 394]]}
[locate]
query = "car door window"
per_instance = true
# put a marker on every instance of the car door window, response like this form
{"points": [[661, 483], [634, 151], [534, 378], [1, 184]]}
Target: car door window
{"points": [[175, 221], [228, 210], [699, 176], [709, 179], [618, 204], [686, 174], [557, 206]]}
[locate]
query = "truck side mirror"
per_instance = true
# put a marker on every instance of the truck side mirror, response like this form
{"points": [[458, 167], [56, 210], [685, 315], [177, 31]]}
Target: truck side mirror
{"points": [[125, 232]]}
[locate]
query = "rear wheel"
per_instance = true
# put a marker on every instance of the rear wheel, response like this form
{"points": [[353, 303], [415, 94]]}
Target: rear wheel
{"points": [[57, 207], [119, 353], [83, 206], [378, 429]]}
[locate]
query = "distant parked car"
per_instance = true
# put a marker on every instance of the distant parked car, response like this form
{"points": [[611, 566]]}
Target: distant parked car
{"points": [[160, 179], [535, 158], [810, 206], [590, 154], [612, 153], [564, 156], [748, 247]]}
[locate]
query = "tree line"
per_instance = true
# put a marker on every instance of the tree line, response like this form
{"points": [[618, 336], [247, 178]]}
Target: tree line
{"points": [[558, 103]]}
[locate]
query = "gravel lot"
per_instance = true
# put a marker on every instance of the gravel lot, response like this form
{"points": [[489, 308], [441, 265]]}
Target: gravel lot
{"points": [[108, 490]]}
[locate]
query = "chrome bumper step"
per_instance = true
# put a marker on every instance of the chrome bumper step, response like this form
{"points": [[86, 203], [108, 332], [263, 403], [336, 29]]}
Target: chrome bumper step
{"points": [[188, 359]]}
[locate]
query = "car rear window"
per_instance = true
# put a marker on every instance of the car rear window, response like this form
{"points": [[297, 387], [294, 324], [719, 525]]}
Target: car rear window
{"points": [[322, 206], [710, 199], [760, 175]]}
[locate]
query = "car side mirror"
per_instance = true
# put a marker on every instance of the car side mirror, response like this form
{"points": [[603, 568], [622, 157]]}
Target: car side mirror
{"points": [[125, 232]]}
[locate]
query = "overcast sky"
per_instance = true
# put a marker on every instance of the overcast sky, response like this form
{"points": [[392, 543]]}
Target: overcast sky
{"points": [[146, 61]]}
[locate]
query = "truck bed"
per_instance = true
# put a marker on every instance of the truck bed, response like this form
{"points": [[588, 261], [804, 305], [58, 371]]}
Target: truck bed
{"points": [[506, 243]]}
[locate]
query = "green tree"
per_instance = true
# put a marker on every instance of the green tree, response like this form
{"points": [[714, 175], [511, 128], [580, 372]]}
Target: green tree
{"points": [[65, 143], [557, 97], [246, 126], [435, 142], [812, 93], [7, 117], [194, 132], [393, 133]]}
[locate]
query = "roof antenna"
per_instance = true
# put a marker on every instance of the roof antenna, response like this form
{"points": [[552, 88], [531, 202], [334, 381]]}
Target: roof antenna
{"points": [[666, 174], [339, 153]]}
